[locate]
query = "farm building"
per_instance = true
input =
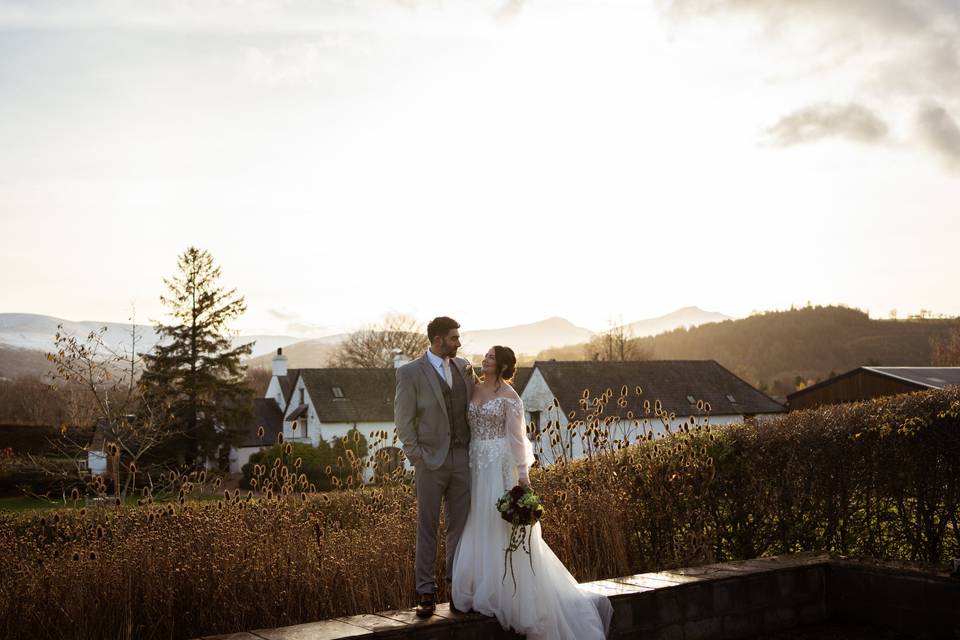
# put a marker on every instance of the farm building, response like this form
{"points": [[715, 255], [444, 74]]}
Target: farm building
{"points": [[865, 383]]}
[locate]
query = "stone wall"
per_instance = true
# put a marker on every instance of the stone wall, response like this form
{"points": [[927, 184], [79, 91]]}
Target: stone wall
{"points": [[725, 600]]}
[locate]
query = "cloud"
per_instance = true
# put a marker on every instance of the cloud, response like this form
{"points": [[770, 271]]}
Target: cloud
{"points": [[286, 316], [892, 53], [887, 15], [850, 121], [895, 46], [510, 10], [940, 132], [290, 64], [309, 330]]}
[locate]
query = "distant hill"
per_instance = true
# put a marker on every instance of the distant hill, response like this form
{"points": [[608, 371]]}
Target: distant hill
{"points": [[16, 362], [772, 349], [685, 317], [525, 338], [34, 332], [300, 355]]}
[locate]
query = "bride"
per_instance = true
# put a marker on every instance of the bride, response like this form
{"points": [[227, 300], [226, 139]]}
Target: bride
{"points": [[547, 602]]}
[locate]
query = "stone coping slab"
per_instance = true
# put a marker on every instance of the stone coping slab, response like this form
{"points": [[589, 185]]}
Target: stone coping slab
{"points": [[642, 593]]}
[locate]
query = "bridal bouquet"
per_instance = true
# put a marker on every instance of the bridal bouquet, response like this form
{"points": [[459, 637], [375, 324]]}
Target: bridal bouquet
{"points": [[522, 508]]}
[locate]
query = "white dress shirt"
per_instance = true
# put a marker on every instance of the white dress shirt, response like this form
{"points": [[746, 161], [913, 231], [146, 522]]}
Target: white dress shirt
{"points": [[442, 365]]}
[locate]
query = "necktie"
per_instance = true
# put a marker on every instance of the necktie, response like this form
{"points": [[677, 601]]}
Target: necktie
{"points": [[446, 373]]}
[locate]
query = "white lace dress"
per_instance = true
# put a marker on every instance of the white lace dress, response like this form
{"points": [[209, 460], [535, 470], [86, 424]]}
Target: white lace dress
{"points": [[547, 603]]}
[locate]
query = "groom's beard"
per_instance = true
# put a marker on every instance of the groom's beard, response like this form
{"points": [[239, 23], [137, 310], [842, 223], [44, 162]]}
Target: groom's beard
{"points": [[450, 350]]}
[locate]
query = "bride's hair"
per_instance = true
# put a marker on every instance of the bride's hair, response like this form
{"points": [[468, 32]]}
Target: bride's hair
{"points": [[506, 363]]}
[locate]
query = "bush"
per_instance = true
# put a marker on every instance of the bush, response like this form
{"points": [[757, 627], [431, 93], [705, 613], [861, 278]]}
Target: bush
{"points": [[325, 467], [879, 478], [19, 476]]}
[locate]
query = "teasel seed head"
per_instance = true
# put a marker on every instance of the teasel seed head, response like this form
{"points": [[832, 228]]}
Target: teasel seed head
{"points": [[280, 438], [260, 432]]}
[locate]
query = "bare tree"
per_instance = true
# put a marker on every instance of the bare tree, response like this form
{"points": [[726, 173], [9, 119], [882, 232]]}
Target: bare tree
{"points": [[375, 346], [109, 381], [616, 343]]}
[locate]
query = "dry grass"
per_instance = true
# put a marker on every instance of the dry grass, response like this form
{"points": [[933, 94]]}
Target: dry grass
{"points": [[879, 478]]}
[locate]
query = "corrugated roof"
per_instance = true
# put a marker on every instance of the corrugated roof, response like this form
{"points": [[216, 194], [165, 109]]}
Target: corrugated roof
{"points": [[367, 394], [932, 377], [918, 377], [673, 382]]}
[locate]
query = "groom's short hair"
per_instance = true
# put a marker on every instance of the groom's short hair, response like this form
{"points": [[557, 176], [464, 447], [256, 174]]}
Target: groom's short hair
{"points": [[441, 326]]}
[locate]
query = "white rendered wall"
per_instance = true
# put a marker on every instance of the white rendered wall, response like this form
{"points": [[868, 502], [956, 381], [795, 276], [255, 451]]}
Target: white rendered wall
{"points": [[241, 456], [275, 391], [97, 463]]}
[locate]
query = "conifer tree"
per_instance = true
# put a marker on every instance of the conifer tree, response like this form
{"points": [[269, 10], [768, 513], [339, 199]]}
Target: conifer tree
{"points": [[195, 369]]}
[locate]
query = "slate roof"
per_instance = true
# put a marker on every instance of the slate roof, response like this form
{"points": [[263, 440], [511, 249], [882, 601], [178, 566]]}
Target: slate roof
{"points": [[267, 414], [672, 382], [520, 378], [287, 383], [367, 394]]}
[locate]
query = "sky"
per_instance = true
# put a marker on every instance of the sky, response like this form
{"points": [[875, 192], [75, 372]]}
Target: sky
{"points": [[499, 162]]}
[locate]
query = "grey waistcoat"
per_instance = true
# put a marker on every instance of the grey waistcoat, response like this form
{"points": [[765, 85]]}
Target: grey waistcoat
{"points": [[456, 401]]}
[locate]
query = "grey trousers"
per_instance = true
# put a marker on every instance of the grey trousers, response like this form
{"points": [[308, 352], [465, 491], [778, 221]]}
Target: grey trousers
{"points": [[451, 482]]}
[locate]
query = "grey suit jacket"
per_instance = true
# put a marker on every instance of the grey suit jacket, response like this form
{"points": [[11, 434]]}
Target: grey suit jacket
{"points": [[420, 412]]}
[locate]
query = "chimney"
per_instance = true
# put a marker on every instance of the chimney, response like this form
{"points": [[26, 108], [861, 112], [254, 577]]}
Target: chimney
{"points": [[399, 358], [280, 363]]}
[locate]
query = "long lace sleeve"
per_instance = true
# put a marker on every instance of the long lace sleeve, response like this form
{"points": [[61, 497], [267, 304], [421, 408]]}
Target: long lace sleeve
{"points": [[516, 432]]}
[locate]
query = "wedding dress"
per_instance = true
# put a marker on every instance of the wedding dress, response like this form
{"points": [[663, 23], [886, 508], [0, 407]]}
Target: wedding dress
{"points": [[547, 602]]}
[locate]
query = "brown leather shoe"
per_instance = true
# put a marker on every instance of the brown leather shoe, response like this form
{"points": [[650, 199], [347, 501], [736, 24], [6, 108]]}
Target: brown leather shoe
{"points": [[427, 605]]}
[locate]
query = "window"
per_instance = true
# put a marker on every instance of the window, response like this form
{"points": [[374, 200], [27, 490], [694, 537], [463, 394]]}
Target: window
{"points": [[301, 395], [535, 424], [337, 392]]}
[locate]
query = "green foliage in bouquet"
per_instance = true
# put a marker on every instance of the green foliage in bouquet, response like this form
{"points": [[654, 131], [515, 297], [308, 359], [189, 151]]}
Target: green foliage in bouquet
{"points": [[522, 508]]}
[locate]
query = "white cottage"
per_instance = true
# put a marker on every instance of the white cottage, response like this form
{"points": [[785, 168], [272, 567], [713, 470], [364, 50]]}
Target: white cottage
{"points": [[680, 386], [267, 413], [306, 405]]}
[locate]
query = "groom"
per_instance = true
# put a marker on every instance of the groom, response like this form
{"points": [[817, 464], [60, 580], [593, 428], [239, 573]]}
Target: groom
{"points": [[430, 411]]}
